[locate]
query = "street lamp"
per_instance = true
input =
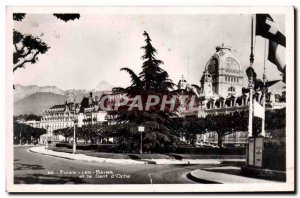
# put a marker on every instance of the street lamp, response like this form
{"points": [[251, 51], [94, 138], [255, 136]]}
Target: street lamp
{"points": [[141, 129], [21, 135], [74, 138], [46, 137], [74, 121], [251, 75]]}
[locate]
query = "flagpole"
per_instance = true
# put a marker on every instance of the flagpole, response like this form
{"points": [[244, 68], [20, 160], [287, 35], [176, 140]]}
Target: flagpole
{"points": [[250, 133], [264, 94], [251, 55]]}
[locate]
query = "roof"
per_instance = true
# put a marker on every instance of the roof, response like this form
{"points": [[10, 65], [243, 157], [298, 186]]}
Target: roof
{"points": [[84, 104], [270, 83], [58, 106], [63, 106]]}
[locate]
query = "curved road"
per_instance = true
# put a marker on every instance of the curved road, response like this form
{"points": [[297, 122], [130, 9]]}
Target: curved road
{"points": [[33, 168]]}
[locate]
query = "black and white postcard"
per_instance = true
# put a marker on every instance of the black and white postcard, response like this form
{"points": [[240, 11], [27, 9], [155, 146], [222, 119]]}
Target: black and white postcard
{"points": [[150, 99]]}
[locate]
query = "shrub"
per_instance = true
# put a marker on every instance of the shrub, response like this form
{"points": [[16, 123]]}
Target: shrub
{"points": [[95, 147], [211, 151], [274, 155], [62, 144]]}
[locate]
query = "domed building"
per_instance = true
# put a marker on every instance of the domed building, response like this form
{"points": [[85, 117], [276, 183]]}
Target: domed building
{"points": [[182, 84], [221, 84], [223, 74]]}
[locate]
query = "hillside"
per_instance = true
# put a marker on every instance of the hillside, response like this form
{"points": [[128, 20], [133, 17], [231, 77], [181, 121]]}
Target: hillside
{"points": [[34, 99], [37, 102], [22, 91]]}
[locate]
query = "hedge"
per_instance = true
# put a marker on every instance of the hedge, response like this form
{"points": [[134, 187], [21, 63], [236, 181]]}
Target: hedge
{"points": [[211, 151], [96, 147], [274, 155], [181, 150]]}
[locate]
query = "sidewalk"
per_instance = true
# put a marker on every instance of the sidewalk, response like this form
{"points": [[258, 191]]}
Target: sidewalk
{"points": [[218, 175], [82, 157], [23, 145]]}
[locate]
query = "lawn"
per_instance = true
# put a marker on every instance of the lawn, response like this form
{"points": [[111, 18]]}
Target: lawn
{"points": [[91, 153], [111, 155]]}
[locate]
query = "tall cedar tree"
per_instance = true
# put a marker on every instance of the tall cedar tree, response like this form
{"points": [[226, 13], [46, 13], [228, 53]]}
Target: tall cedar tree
{"points": [[152, 80]]}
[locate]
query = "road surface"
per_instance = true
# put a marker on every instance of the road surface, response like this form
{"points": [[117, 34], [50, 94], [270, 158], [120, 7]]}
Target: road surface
{"points": [[33, 168]]}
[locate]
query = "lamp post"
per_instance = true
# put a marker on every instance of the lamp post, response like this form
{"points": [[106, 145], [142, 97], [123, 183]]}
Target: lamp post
{"points": [[74, 138], [141, 129], [264, 91], [74, 133], [21, 138], [250, 74], [74, 121], [46, 137]]}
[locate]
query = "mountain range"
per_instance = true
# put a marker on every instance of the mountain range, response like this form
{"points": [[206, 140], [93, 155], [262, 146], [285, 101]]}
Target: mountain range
{"points": [[34, 99]]}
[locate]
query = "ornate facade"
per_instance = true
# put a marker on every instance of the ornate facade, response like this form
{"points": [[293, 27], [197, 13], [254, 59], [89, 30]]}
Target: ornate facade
{"points": [[223, 75], [65, 115], [221, 92]]}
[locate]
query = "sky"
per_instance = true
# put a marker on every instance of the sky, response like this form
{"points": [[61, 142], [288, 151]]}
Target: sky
{"points": [[94, 48]]}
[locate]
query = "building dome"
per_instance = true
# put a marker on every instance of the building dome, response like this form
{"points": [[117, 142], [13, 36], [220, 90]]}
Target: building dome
{"points": [[226, 72], [182, 84], [223, 61]]}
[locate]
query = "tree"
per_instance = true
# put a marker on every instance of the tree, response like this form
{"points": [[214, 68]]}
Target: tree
{"points": [[87, 132], [226, 124], [195, 126], [66, 16], [66, 132], [62, 16], [152, 80], [275, 119], [26, 117], [18, 16], [26, 134], [91, 132], [27, 48]]}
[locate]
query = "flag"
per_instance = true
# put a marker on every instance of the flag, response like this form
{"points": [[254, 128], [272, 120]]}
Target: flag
{"points": [[258, 110], [277, 55], [267, 28]]}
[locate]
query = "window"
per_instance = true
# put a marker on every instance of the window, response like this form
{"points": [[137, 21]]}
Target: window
{"points": [[231, 91], [213, 66], [232, 64]]}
